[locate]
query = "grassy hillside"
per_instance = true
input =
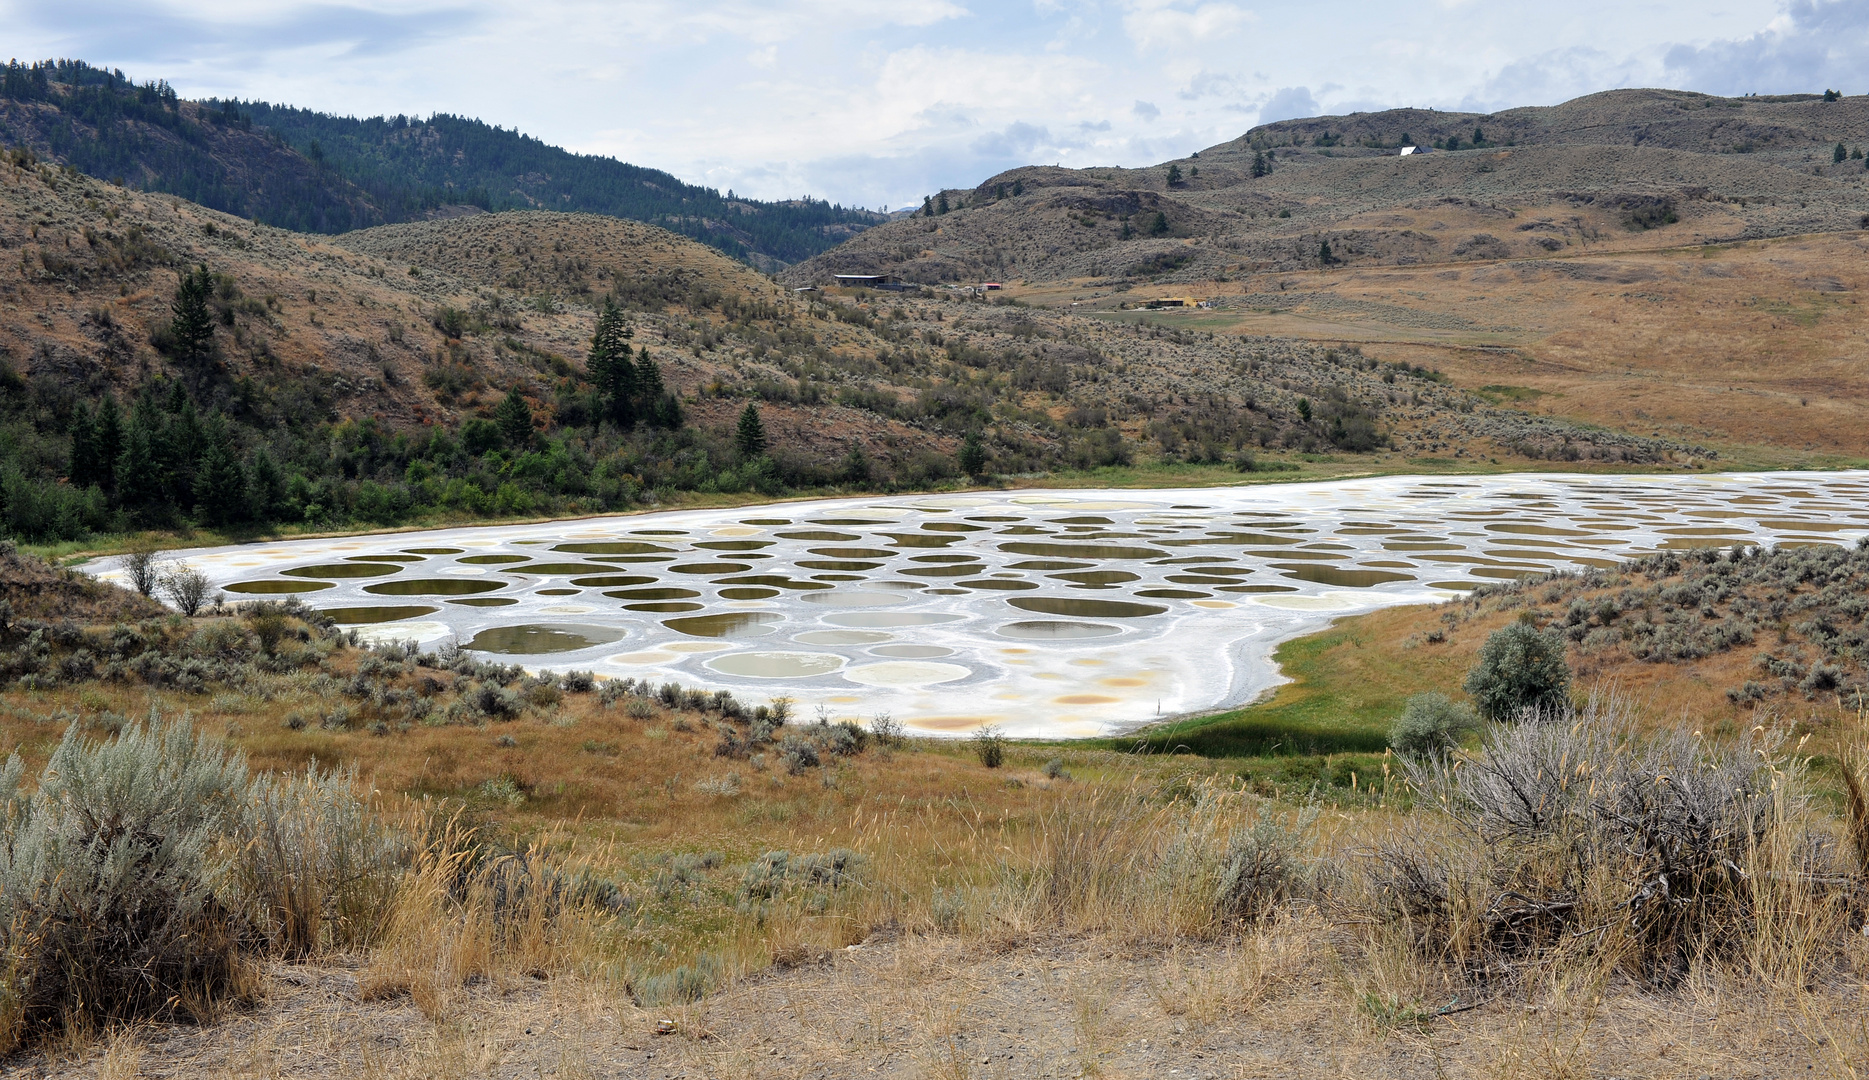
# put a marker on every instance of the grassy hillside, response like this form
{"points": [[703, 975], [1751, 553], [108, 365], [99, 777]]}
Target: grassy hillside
{"points": [[308, 171]]}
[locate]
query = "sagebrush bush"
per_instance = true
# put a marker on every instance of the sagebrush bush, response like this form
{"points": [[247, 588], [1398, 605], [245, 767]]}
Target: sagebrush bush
{"points": [[109, 906], [1520, 669], [1431, 724], [131, 879], [1653, 851]]}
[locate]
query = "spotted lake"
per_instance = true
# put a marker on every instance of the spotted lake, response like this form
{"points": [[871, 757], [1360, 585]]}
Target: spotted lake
{"points": [[1049, 613]]}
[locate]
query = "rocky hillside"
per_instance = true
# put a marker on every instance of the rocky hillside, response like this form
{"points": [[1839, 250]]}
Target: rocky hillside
{"points": [[1624, 169]]}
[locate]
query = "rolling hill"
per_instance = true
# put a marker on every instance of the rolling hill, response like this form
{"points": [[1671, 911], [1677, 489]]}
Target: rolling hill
{"points": [[309, 171]]}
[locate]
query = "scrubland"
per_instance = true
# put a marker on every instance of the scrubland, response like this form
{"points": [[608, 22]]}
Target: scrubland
{"points": [[241, 845]]}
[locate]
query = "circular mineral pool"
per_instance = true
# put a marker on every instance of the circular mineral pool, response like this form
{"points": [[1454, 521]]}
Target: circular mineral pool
{"points": [[270, 588], [912, 652], [1055, 630], [344, 570], [776, 665], [855, 598], [733, 624], [364, 616], [533, 639], [1091, 609], [433, 587]]}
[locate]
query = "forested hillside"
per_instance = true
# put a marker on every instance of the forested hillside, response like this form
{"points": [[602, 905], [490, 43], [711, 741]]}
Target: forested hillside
{"points": [[311, 172]]}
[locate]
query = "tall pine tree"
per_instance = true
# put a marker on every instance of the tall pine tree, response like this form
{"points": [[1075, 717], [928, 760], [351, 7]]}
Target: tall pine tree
{"points": [[192, 326], [109, 441], [750, 438], [611, 368], [85, 465], [220, 482]]}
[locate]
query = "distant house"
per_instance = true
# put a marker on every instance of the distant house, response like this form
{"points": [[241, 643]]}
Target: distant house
{"points": [[1410, 151], [991, 286], [869, 281]]}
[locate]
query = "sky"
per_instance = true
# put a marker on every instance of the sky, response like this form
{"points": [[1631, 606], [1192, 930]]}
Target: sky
{"points": [[876, 103]]}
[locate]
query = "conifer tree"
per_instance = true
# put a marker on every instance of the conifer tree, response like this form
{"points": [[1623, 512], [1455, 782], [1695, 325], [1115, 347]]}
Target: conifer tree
{"points": [[109, 441], [751, 436], [611, 367], [514, 418], [192, 326], [220, 482], [1840, 154], [972, 455], [266, 486], [84, 469]]}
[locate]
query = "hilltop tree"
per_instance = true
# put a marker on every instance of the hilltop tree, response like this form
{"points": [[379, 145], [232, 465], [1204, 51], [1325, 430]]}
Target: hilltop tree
{"points": [[192, 325], [514, 418], [1174, 175], [941, 203], [1840, 154], [1260, 166], [750, 437]]}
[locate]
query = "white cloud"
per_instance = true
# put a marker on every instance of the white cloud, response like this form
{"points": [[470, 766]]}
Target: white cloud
{"points": [[1812, 45], [1171, 24], [1290, 102]]}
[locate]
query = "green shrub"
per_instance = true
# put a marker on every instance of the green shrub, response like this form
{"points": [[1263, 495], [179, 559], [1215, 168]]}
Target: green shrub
{"points": [[989, 745], [1431, 724], [1520, 668], [108, 906]]}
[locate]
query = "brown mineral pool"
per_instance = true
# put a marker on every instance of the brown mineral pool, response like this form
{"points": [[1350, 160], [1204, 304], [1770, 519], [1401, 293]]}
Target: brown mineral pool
{"points": [[1256, 588], [612, 581], [774, 581], [364, 616], [1337, 575], [748, 594], [486, 601], [711, 569], [383, 558], [664, 607], [434, 587], [559, 592], [557, 569], [1089, 609], [921, 540], [734, 545], [494, 560], [344, 570], [433, 551], [1050, 564], [820, 534], [1458, 586], [999, 584], [615, 547], [732, 624], [1050, 630], [532, 639], [954, 570], [854, 553], [1080, 551], [837, 564], [1098, 579], [1173, 594], [270, 588], [664, 593]]}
